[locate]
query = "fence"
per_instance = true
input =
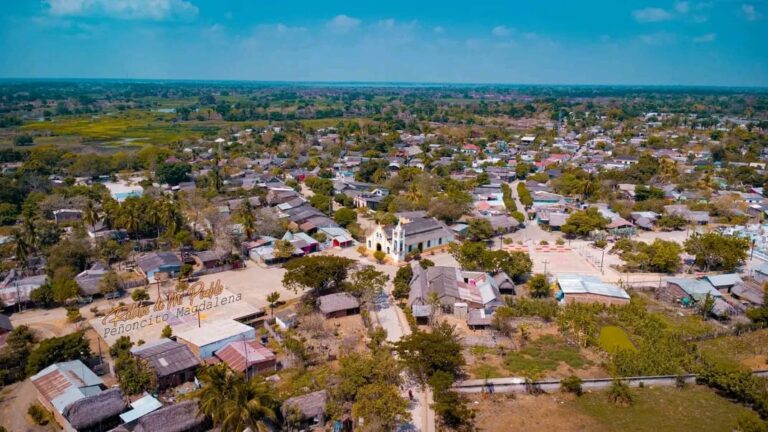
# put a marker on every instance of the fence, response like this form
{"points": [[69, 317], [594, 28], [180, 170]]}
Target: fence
{"points": [[521, 385]]}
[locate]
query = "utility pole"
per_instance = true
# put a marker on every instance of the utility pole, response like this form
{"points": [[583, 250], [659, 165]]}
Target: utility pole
{"points": [[545, 267], [602, 258]]}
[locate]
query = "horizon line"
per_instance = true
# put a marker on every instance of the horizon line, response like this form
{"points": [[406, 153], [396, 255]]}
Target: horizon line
{"points": [[379, 83]]}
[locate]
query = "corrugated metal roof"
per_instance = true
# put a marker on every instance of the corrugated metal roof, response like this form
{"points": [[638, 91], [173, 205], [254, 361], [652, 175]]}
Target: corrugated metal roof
{"points": [[166, 356], [215, 331], [724, 280], [239, 355], [589, 285], [65, 383], [141, 407]]}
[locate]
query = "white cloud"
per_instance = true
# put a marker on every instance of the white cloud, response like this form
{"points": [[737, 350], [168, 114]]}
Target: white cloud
{"points": [[282, 28], [709, 37], [501, 31], [658, 38], [387, 24], [157, 10], [682, 7], [438, 30], [342, 24], [750, 12], [651, 15]]}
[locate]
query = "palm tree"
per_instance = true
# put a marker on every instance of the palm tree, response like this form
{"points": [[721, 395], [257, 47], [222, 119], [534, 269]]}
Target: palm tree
{"points": [[22, 250], [232, 402], [29, 232], [90, 216], [273, 299], [246, 217], [111, 210]]}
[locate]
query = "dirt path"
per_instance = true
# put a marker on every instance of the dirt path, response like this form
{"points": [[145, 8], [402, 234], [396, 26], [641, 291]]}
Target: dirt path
{"points": [[529, 413], [14, 401]]}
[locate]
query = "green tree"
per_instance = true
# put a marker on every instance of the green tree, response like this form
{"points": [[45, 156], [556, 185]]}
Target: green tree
{"points": [[139, 295], [425, 353], [450, 408], [479, 229], [58, 349], [318, 273], [283, 249], [366, 283], [715, 251], [381, 403], [524, 194], [582, 223], [133, 374], [671, 222], [63, 284], [69, 253], [273, 299], [402, 282], [345, 216], [166, 332], [234, 403], [539, 286], [172, 173], [43, 295]]}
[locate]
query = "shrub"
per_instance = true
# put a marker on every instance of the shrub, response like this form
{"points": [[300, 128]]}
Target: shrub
{"points": [[38, 414], [73, 315], [543, 242], [601, 243], [572, 384], [362, 250], [619, 393], [560, 242], [167, 332], [379, 256]]}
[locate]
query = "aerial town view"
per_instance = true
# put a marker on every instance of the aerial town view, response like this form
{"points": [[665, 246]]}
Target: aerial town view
{"points": [[399, 217]]}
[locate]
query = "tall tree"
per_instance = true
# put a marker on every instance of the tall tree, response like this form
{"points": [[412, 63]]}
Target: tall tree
{"points": [[234, 403]]}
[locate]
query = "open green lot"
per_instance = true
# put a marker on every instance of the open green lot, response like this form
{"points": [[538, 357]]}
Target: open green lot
{"points": [[613, 338], [544, 354], [695, 409], [749, 349]]}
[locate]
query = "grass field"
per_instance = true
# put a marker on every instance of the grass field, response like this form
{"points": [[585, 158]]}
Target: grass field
{"points": [[750, 349], [695, 409], [613, 338], [544, 354], [139, 127]]}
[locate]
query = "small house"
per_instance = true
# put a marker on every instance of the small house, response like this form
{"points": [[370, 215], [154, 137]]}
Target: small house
{"points": [[67, 215], [213, 336], [173, 363], [724, 282], [159, 262], [76, 397], [248, 357], [588, 289], [338, 305], [308, 409]]}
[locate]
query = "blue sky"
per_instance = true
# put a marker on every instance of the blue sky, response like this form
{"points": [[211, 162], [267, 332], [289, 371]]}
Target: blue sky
{"points": [[716, 42]]}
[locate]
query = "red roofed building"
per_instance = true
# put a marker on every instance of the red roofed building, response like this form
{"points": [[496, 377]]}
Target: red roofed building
{"points": [[247, 355]]}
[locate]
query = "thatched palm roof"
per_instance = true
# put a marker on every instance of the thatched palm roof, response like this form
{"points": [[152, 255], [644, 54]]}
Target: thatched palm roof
{"points": [[92, 410], [181, 417], [309, 405]]}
